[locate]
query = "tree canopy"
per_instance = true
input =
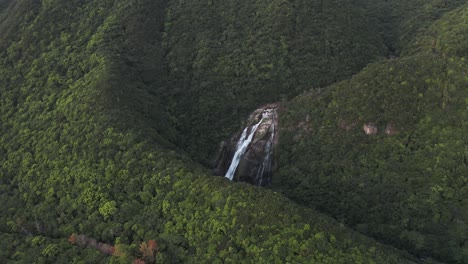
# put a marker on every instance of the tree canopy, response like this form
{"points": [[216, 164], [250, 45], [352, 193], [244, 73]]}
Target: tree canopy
{"points": [[110, 112]]}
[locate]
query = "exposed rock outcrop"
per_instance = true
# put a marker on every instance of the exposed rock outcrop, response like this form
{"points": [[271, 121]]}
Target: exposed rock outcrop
{"points": [[370, 129], [346, 125], [249, 155], [390, 129]]}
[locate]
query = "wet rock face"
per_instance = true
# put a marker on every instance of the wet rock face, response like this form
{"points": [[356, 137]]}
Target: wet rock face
{"points": [[249, 157]]}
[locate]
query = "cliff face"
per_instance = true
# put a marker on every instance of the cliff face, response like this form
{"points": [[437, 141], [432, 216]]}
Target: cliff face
{"points": [[248, 155]]}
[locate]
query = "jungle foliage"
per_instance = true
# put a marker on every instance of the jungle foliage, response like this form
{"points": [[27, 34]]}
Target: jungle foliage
{"points": [[225, 58], [86, 147], [106, 108], [409, 188]]}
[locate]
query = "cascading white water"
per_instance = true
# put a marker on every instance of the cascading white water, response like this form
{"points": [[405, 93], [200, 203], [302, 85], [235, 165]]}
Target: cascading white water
{"points": [[266, 164], [242, 144]]}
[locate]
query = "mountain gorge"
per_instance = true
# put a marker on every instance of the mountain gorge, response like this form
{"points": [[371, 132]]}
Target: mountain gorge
{"points": [[114, 113]]}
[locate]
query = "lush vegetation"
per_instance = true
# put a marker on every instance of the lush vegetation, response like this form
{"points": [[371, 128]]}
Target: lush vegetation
{"points": [[85, 148], [105, 107], [410, 188], [401, 20], [225, 58]]}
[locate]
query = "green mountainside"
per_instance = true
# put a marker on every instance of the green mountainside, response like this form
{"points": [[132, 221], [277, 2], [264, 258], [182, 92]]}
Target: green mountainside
{"points": [[403, 20], [225, 58], [110, 109], [409, 188], [81, 152]]}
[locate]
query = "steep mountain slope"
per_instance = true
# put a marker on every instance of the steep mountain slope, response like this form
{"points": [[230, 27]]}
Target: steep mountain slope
{"points": [[227, 57], [447, 36], [406, 184], [85, 148], [401, 21]]}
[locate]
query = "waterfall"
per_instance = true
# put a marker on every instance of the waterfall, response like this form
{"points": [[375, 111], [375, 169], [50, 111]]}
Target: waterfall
{"points": [[242, 144], [266, 164]]}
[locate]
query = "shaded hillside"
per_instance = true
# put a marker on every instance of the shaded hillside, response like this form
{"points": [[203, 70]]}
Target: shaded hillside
{"points": [[84, 148], [225, 58], [446, 37], [401, 21], [405, 185], [4, 4]]}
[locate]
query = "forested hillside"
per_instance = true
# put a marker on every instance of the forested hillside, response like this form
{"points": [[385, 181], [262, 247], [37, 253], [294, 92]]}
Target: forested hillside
{"points": [[401, 21], [85, 150], [248, 53], [226, 57], [111, 112], [405, 185]]}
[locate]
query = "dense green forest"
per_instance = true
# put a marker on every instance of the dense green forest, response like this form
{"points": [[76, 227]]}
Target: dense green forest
{"points": [[407, 187], [111, 112], [227, 58]]}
